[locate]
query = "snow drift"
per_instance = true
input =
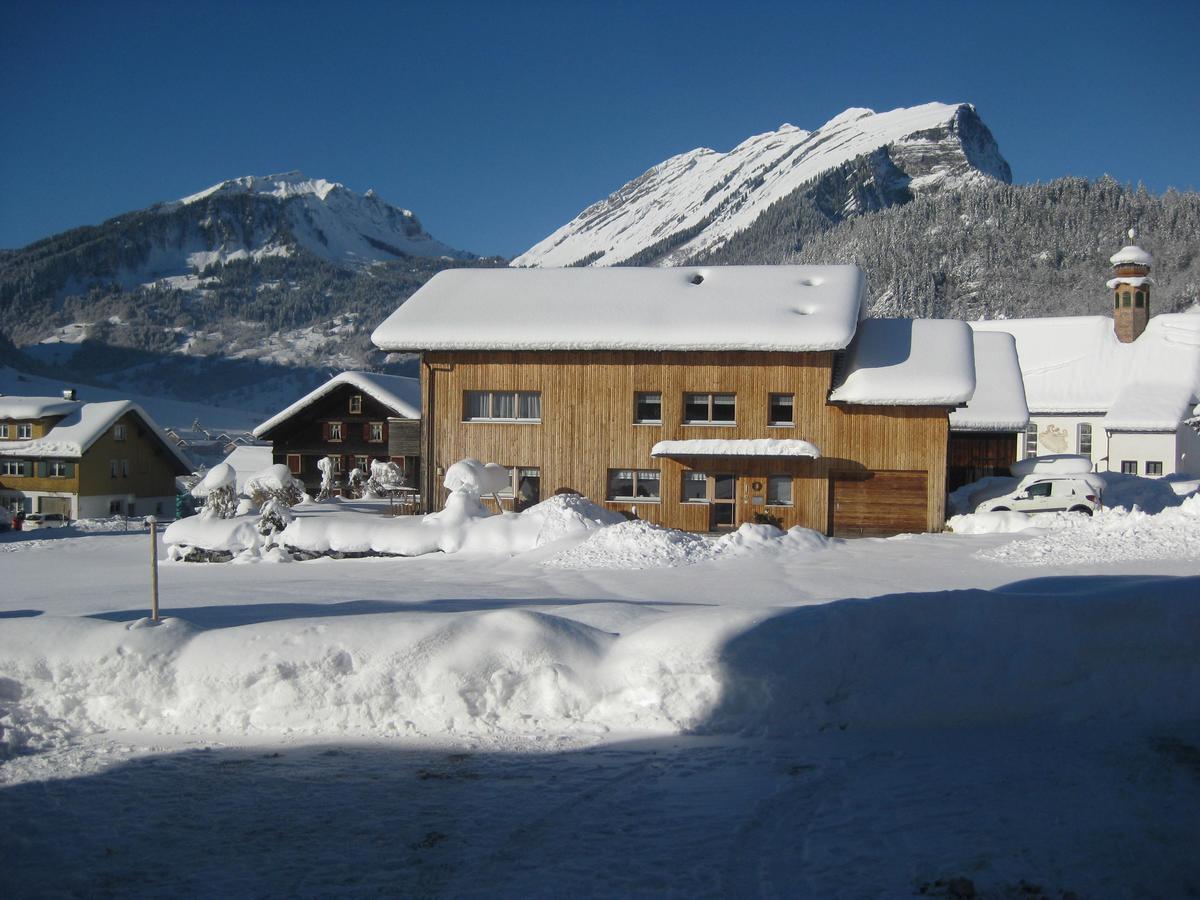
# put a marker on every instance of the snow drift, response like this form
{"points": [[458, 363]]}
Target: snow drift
{"points": [[1063, 650]]}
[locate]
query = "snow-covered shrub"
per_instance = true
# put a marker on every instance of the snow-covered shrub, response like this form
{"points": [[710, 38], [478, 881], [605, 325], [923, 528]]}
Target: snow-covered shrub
{"points": [[356, 483], [218, 490], [274, 483], [473, 477], [385, 477], [325, 465], [274, 516]]}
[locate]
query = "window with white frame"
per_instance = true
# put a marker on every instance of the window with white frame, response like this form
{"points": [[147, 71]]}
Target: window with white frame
{"points": [[779, 490], [333, 431], [647, 408], [124, 468], [1083, 438], [502, 406], [119, 432], [113, 468], [58, 469], [375, 433], [1153, 467], [24, 431], [1031, 440], [14, 468], [641, 485], [3, 431], [356, 404], [709, 409], [695, 488]]}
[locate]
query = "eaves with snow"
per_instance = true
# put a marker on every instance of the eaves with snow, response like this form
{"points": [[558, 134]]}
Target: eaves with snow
{"points": [[1077, 365], [998, 403], [81, 426], [400, 394]]}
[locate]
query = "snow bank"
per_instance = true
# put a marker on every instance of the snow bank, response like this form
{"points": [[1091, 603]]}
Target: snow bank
{"points": [[222, 535], [1069, 650], [990, 523], [1113, 535], [640, 545]]}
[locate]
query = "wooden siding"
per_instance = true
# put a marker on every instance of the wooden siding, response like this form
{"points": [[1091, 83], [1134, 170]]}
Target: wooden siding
{"points": [[587, 427], [877, 503]]}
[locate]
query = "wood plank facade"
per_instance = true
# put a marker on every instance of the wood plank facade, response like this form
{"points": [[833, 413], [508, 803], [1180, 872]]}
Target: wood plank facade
{"points": [[586, 429]]}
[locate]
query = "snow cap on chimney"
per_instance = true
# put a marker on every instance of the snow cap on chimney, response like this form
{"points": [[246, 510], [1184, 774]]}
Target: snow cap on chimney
{"points": [[68, 393]]}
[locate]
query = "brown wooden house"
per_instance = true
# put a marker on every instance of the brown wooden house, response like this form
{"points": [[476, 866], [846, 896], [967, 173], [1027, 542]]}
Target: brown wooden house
{"points": [[61, 456], [695, 398], [353, 419]]}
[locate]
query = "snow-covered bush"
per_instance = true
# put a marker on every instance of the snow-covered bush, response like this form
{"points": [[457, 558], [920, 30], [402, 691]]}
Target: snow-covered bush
{"points": [[385, 477], [325, 465], [218, 490], [356, 483], [274, 516], [274, 483]]}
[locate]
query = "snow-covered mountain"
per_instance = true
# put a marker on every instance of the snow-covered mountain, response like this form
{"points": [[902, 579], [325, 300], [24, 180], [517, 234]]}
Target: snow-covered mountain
{"points": [[693, 203]]}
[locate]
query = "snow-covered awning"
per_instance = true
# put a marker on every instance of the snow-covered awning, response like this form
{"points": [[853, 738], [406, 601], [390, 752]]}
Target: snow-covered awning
{"points": [[737, 447], [998, 403], [908, 362]]}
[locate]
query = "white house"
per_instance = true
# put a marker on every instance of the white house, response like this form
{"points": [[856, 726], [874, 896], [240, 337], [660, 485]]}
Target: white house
{"points": [[1118, 390]]}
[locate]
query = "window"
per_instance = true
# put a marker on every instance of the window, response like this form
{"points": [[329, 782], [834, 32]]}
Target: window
{"points": [[1153, 467], [112, 468], [1083, 438], [294, 463], [1041, 489], [1031, 440], [1116, 301], [1129, 466], [779, 409], [119, 432], [16, 468], [695, 487], [24, 431], [338, 467], [779, 490], [124, 468], [1139, 299], [114, 507], [356, 405], [333, 431], [502, 406], [1125, 299], [56, 468], [361, 463], [633, 484], [375, 432], [708, 409], [3, 431], [647, 408]]}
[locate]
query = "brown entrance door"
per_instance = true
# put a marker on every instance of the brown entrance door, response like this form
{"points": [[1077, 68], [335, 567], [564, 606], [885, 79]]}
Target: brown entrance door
{"points": [[722, 512]]}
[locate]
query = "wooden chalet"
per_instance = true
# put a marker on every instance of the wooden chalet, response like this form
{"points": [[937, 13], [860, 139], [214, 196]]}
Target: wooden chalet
{"points": [[353, 419], [695, 398], [61, 456]]}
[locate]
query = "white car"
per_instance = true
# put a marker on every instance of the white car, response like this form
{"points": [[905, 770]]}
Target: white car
{"points": [[44, 520], [1045, 494]]}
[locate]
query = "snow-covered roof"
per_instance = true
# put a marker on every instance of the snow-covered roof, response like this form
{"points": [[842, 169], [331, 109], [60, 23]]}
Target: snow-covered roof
{"points": [[72, 435], [738, 447], [35, 407], [998, 403], [398, 392], [908, 362], [785, 308], [1076, 364], [1131, 255], [1131, 280]]}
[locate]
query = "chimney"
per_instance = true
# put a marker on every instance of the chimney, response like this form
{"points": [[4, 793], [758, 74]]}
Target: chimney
{"points": [[69, 394]]}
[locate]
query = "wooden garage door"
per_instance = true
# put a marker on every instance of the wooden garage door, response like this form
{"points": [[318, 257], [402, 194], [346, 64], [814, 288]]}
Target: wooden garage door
{"points": [[878, 504]]}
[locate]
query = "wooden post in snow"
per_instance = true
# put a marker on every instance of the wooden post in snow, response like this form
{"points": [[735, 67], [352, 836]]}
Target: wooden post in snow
{"points": [[152, 521]]}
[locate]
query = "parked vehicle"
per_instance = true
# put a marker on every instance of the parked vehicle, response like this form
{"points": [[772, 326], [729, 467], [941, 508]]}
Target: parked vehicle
{"points": [[45, 520], [1043, 494]]}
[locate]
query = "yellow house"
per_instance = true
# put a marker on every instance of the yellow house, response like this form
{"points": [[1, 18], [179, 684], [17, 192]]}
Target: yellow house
{"points": [[85, 460]]}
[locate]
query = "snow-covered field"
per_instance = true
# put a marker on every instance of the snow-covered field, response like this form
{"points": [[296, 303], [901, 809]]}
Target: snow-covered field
{"points": [[620, 710]]}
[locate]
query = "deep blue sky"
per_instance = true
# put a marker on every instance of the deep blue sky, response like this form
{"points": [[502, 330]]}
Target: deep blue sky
{"points": [[498, 122]]}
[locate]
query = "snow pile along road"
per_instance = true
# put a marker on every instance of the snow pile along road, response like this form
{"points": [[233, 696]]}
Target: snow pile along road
{"points": [[1111, 535], [1071, 649]]}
